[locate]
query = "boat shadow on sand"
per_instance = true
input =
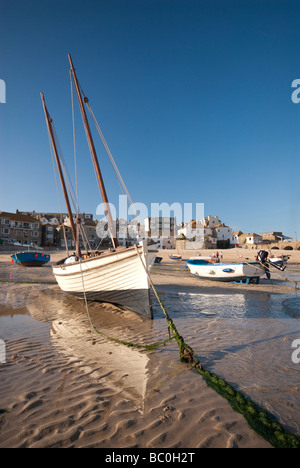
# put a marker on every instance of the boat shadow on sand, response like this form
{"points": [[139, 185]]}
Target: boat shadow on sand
{"points": [[120, 367]]}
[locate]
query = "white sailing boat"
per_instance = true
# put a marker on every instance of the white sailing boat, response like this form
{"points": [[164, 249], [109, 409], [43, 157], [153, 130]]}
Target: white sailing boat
{"points": [[119, 276], [116, 277]]}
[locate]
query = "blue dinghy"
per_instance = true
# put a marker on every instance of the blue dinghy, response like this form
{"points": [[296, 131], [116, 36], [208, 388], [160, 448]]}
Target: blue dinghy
{"points": [[30, 259]]}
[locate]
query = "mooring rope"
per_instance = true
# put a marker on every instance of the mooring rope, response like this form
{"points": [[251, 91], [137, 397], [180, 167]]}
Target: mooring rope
{"points": [[260, 420]]}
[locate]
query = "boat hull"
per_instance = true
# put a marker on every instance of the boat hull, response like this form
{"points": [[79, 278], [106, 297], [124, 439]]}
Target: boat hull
{"points": [[136, 300], [30, 259], [119, 278], [227, 272]]}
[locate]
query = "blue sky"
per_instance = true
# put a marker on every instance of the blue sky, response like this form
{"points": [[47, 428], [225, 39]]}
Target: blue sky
{"points": [[193, 97]]}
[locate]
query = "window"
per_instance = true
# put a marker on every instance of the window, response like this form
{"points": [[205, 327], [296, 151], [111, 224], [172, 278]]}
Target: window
{"points": [[5, 221]]}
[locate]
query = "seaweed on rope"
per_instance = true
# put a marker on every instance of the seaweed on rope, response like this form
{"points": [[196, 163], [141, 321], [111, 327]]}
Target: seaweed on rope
{"points": [[258, 419]]}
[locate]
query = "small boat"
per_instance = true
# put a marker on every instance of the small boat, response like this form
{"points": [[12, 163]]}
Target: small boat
{"points": [[209, 258], [175, 257], [115, 277], [30, 259], [228, 272], [279, 262], [119, 276]]}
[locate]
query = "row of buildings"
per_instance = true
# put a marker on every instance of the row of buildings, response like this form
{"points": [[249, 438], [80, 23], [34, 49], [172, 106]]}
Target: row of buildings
{"points": [[42, 229], [215, 234], [53, 230]]}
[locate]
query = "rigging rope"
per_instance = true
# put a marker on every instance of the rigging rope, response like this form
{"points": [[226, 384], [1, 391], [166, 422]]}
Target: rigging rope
{"points": [[113, 162]]}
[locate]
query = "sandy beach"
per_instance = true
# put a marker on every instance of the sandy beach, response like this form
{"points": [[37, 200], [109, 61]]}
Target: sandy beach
{"points": [[63, 385]]}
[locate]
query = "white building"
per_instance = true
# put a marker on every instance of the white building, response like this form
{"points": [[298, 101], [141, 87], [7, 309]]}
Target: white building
{"points": [[211, 221], [209, 226], [161, 230], [209, 230], [250, 238], [193, 229], [235, 237], [254, 238], [223, 232]]}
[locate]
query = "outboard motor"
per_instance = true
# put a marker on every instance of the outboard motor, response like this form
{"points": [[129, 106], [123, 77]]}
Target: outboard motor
{"points": [[262, 257]]}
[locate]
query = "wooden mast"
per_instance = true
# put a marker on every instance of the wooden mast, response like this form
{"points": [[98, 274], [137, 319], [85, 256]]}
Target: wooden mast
{"points": [[61, 176], [94, 154]]}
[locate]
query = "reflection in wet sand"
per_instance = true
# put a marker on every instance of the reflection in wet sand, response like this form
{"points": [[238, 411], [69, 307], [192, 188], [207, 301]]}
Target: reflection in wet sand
{"points": [[120, 367]]}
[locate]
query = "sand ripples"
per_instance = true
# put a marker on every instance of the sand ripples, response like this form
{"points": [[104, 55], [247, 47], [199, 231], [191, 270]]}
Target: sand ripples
{"points": [[64, 386]]}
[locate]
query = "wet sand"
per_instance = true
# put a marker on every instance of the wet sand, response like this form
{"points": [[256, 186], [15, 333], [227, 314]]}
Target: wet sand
{"points": [[65, 386]]}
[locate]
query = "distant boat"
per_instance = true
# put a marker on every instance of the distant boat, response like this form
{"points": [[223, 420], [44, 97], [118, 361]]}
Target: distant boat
{"points": [[279, 262], [227, 272], [209, 258], [30, 259], [175, 257]]}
